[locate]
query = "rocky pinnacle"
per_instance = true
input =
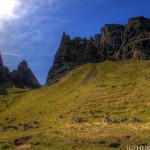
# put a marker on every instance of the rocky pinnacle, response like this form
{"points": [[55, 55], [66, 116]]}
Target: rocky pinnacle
{"points": [[1, 61]]}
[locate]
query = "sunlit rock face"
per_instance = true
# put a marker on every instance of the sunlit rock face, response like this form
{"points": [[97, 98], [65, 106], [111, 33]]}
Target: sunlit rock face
{"points": [[23, 77], [115, 42]]}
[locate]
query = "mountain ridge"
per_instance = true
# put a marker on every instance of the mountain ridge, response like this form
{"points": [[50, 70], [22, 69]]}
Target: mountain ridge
{"points": [[22, 77], [116, 42]]}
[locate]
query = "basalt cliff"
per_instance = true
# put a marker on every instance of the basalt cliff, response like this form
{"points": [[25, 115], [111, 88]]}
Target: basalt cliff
{"points": [[4, 72], [115, 42], [21, 77]]}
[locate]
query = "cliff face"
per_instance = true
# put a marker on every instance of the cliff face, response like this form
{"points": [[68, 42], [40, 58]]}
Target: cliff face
{"points": [[115, 42], [72, 53], [23, 77], [111, 39], [4, 72], [135, 39]]}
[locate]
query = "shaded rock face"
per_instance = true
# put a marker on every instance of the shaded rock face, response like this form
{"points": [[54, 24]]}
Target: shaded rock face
{"points": [[23, 77], [4, 72], [1, 61], [72, 53], [135, 39], [111, 39], [116, 42], [77, 50]]}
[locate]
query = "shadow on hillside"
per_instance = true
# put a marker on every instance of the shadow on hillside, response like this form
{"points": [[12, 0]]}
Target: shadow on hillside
{"points": [[3, 89]]}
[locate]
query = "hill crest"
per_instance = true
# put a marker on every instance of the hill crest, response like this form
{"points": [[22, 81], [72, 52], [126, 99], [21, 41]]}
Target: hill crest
{"points": [[116, 42]]}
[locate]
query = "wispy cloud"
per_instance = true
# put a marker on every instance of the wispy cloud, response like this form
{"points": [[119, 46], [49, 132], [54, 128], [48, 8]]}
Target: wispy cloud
{"points": [[32, 29], [28, 27], [7, 11], [12, 54]]}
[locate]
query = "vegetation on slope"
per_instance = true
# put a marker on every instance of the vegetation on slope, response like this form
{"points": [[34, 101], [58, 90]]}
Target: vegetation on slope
{"points": [[90, 92]]}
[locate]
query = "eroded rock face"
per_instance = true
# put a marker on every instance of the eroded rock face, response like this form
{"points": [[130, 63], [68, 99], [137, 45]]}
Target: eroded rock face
{"points": [[23, 77], [1, 61], [111, 39], [115, 42], [135, 39], [72, 53], [4, 72]]}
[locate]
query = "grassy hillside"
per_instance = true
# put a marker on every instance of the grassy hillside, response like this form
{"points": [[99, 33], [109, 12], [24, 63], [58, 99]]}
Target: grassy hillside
{"points": [[90, 92]]}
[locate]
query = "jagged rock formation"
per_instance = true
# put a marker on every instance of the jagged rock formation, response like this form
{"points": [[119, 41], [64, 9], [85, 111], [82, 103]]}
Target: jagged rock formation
{"points": [[23, 77], [1, 61], [111, 39], [136, 39], [4, 72], [115, 42], [72, 53]]}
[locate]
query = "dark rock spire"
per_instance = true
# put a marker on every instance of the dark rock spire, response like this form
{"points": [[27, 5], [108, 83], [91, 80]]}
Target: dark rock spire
{"points": [[4, 72], [1, 60], [24, 77]]}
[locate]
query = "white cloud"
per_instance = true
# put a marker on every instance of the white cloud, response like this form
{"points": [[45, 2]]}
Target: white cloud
{"points": [[7, 8], [12, 54], [8, 11], [17, 9]]}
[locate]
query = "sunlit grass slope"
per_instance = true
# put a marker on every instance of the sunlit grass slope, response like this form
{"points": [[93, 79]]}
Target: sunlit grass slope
{"points": [[119, 89]]}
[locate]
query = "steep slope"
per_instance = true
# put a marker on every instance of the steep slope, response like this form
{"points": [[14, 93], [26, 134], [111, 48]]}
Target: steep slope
{"points": [[89, 92], [116, 42]]}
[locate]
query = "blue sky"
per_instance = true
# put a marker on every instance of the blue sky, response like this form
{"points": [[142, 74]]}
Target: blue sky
{"points": [[32, 29]]}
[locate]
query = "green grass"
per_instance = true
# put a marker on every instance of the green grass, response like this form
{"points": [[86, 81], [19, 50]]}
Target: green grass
{"points": [[119, 89]]}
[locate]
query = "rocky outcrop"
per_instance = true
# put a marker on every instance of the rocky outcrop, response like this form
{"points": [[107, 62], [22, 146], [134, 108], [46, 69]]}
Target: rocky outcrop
{"points": [[111, 39], [135, 39], [72, 53], [23, 77], [1, 61], [4, 72], [115, 42]]}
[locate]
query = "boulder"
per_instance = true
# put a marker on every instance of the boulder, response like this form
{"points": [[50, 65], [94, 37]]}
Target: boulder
{"points": [[21, 141], [77, 119], [135, 120]]}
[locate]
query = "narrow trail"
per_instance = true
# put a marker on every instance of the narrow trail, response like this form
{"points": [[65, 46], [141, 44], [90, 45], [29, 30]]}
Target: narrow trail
{"points": [[90, 75]]}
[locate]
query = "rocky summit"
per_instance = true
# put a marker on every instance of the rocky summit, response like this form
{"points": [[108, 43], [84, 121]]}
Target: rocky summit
{"points": [[22, 77], [135, 40], [72, 53], [116, 42]]}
